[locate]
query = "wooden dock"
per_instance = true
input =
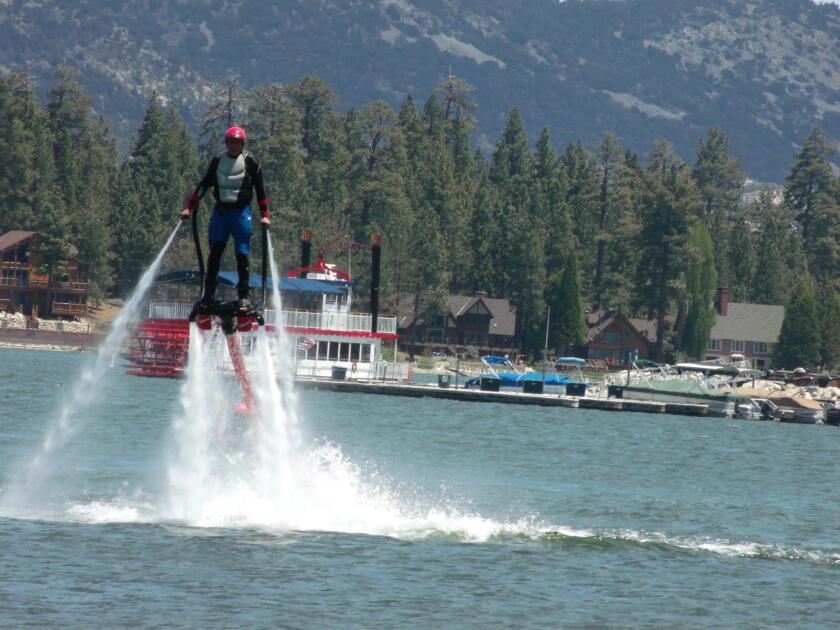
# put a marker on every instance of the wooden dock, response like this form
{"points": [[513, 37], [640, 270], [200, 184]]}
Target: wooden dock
{"points": [[503, 397]]}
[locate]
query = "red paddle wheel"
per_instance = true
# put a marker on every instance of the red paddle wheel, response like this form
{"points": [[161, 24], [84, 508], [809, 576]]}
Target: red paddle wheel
{"points": [[159, 348]]}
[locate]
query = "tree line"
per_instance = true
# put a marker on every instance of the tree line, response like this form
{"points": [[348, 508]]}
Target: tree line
{"points": [[651, 235]]}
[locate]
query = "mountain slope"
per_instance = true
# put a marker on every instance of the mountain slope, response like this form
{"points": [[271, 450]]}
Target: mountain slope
{"points": [[764, 71]]}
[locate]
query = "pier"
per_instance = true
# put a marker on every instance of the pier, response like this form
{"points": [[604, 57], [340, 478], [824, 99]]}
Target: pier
{"points": [[503, 397]]}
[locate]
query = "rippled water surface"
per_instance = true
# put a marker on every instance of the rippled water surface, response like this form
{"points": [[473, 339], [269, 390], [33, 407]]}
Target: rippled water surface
{"points": [[370, 511]]}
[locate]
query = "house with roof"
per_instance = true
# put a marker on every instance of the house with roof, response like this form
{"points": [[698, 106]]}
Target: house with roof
{"points": [[748, 329], [477, 323], [24, 290], [612, 337]]}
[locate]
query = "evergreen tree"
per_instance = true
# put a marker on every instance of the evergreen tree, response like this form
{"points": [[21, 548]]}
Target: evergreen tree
{"points": [[810, 198], [225, 110], [742, 261], [616, 227], [799, 339], [482, 274], [578, 172], [829, 316], [720, 183], [521, 241], [21, 124], [771, 280], [568, 326], [670, 206], [700, 292], [274, 136]]}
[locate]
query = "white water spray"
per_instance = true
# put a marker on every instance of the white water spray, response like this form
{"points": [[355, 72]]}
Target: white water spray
{"points": [[22, 491], [229, 470]]}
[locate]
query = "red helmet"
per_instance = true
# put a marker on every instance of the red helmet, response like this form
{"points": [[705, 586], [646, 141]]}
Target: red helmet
{"points": [[236, 132]]}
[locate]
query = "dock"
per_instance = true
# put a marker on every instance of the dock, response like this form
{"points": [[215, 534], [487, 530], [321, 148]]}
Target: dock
{"points": [[503, 397]]}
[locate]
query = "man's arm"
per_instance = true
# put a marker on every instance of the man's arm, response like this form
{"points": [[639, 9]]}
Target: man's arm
{"points": [[262, 197], [201, 189]]}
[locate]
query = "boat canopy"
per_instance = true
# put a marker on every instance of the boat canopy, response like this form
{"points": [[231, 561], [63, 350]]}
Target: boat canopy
{"points": [[491, 359], [706, 368], [230, 278], [570, 361]]}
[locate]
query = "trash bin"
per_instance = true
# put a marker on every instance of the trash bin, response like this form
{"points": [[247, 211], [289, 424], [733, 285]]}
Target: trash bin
{"points": [[339, 373], [490, 384], [615, 391], [443, 381], [575, 389], [532, 387]]}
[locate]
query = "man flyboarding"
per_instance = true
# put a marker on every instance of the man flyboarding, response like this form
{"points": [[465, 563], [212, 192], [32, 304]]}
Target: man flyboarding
{"points": [[234, 176]]}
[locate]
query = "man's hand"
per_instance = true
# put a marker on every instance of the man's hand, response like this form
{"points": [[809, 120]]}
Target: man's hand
{"points": [[265, 221], [185, 214]]}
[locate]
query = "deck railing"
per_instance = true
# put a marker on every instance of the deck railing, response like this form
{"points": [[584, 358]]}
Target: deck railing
{"points": [[357, 322], [69, 308]]}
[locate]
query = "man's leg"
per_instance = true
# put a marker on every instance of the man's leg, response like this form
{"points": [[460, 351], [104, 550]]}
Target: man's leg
{"points": [[218, 234], [243, 270], [241, 229], [214, 263]]}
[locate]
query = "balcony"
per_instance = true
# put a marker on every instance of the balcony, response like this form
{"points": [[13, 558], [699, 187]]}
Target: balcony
{"points": [[359, 322], [74, 288], [355, 322], [73, 309]]}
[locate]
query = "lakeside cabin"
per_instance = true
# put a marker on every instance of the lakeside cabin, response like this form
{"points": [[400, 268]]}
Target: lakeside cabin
{"points": [[24, 290], [327, 340]]}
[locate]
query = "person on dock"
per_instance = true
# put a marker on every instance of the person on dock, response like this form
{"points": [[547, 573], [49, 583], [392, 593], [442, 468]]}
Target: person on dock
{"points": [[234, 176]]}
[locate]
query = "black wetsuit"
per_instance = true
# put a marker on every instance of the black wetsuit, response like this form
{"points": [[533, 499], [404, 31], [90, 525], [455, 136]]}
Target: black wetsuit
{"points": [[233, 179]]}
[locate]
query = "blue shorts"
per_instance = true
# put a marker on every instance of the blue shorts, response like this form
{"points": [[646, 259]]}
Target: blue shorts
{"points": [[223, 223]]}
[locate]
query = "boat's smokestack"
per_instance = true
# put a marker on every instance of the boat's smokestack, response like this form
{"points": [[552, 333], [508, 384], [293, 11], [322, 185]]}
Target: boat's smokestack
{"points": [[376, 259], [305, 249], [722, 301]]}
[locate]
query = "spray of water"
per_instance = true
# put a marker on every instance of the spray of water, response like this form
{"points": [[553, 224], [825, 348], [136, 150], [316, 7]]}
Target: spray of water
{"points": [[229, 470], [28, 485]]}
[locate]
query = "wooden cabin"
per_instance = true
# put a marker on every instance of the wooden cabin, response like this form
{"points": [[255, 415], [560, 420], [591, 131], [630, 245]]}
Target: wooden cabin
{"points": [[24, 290]]}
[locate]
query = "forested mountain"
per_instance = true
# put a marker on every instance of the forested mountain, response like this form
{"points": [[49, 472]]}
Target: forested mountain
{"points": [[593, 212], [762, 71]]}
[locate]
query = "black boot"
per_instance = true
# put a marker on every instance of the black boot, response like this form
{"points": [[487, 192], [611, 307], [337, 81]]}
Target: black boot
{"points": [[214, 262], [243, 270]]}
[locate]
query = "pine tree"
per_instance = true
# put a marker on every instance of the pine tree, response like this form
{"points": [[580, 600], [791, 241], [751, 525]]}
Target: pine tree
{"points": [[615, 227], [771, 280], [742, 261], [700, 291], [568, 326], [799, 339], [274, 133], [21, 125], [226, 109], [810, 197], [670, 206], [481, 274], [829, 316], [580, 182], [720, 183]]}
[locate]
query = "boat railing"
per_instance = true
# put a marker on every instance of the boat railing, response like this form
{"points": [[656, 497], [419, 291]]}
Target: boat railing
{"points": [[351, 322]]}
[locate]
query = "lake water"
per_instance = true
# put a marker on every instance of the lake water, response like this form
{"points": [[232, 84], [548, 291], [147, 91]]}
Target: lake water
{"points": [[406, 513]]}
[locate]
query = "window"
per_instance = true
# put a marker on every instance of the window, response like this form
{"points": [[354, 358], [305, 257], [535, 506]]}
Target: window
{"points": [[738, 345], [609, 337], [714, 344], [601, 353], [761, 347]]}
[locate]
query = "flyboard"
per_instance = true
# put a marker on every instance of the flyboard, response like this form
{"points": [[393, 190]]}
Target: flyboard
{"points": [[231, 319]]}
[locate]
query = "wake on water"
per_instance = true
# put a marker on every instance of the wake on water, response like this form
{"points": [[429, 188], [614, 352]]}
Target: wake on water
{"points": [[228, 469]]}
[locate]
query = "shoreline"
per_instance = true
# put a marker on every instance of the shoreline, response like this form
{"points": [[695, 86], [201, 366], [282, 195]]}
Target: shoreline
{"points": [[50, 347]]}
